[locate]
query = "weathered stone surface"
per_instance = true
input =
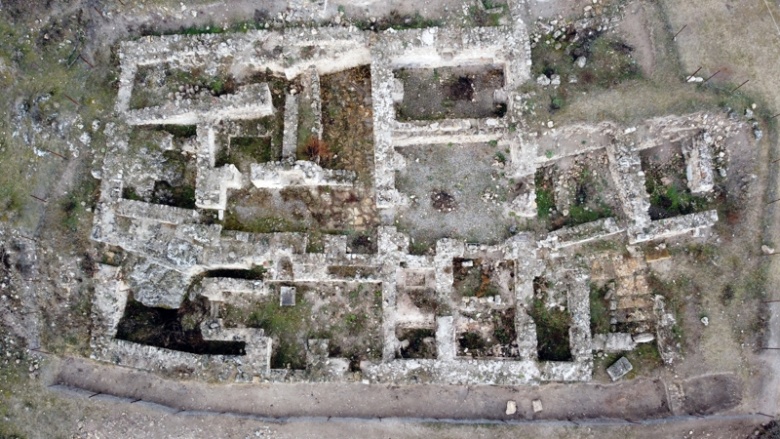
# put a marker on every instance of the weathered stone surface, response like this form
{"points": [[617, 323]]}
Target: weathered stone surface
{"points": [[212, 185], [299, 173], [698, 163], [157, 286], [619, 369], [257, 358], [613, 342], [174, 246], [693, 223], [667, 345], [445, 338], [524, 205], [223, 289], [290, 139], [249, 102], [645, 337], [581, 234], [156, 212]]}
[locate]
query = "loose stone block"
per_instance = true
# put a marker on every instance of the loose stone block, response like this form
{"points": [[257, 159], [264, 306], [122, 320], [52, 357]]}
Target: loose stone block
{"points": [[287, 296], [619, 369]]}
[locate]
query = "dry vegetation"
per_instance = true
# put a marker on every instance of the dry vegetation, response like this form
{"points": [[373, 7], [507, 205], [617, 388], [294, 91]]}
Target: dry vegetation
{"points": [[348, 122]]}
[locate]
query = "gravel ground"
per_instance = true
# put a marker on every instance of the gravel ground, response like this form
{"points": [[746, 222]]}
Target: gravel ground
{"points": [[467, 174]]}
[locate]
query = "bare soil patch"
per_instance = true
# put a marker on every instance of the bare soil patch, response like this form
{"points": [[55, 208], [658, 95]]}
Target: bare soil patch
{"points": [[456, 192], [711, 394], [450, 93], [348, 122]]}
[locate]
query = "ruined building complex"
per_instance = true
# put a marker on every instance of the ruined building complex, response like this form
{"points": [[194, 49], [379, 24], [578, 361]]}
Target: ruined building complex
{"points": [[196, 111]]}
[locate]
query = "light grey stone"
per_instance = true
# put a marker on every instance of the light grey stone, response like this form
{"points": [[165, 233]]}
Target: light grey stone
{"points": [[619, 369]]}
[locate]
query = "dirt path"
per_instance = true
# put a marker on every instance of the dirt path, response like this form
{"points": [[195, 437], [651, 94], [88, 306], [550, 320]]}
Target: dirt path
{"points": [[100, 417], [560, 401]]}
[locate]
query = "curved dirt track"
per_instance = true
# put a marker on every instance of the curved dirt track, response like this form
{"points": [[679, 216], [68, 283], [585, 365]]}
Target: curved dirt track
{"points": [[635, 400]]}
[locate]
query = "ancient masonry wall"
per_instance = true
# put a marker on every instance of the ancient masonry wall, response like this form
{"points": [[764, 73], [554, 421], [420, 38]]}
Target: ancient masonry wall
{"points": [[171, 246], [438, 47], [248, 102]]}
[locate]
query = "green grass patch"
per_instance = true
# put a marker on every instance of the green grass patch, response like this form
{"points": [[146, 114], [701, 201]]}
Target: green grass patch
{"points": [[129, 193], [609, 60], [754, 283], [588, 205], [420, 247], [153, 83], [355, 323], [274, 124], [35, 76], [246, 150], [645, 358], [276, 319], [285, 324], [315, 243], [545, 198], [599, 310], [258, 148], [609, 63], [13, 378], [579, 214], [488, 14], [669, 200], [181, 131], [545, 202], [77, 204], [14, 189], [552, 331]]}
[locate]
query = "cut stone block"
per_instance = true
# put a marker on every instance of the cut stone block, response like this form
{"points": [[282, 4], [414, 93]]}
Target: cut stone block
{"points": [[619, 369], [645, 337], [287, 296], [278, 175], [613, 342]]}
